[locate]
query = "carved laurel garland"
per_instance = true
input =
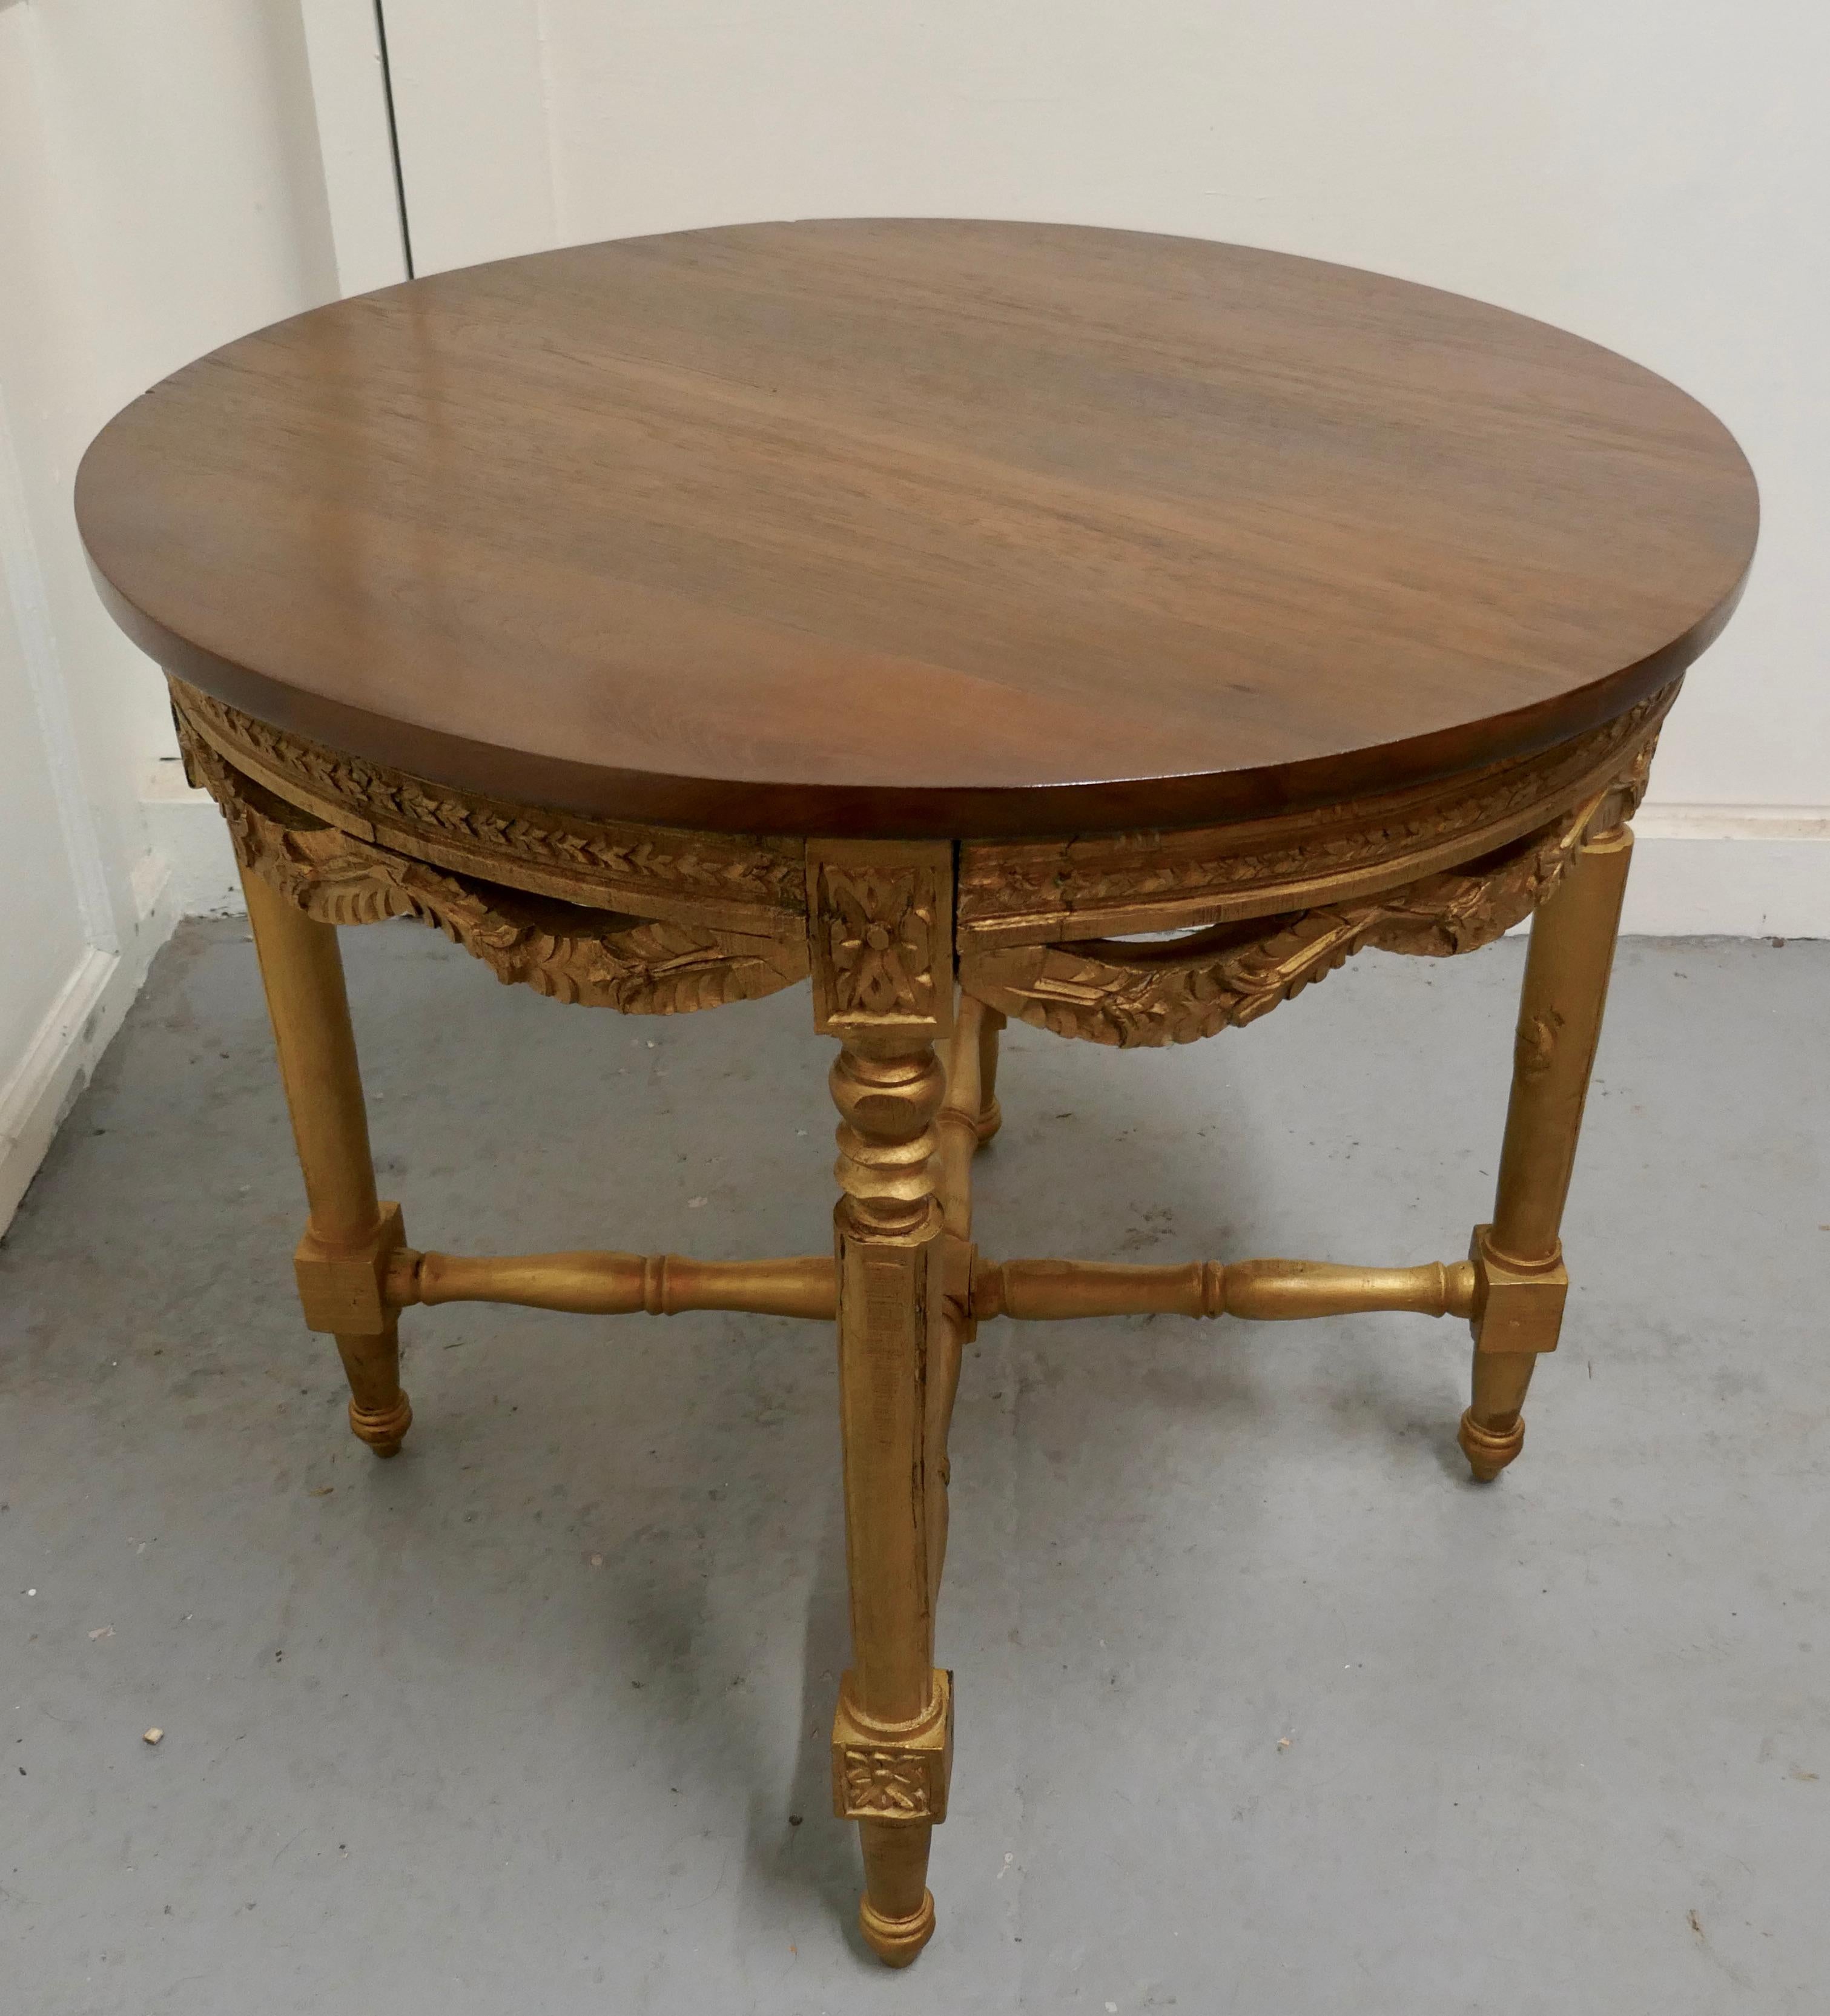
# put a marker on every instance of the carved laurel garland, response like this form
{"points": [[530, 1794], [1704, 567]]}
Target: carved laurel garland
{"points": [[1142, 995], [597, 857], [1011, 889], [597, 958]]}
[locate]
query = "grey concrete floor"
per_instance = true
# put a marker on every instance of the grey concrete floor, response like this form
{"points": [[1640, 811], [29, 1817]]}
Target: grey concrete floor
{"points": [[1262, 1707]]}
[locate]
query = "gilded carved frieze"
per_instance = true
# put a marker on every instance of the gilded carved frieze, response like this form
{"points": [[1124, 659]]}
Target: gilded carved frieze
{"points": [[712, 878], [595, 957], [1030, 891], [656, 921], [1142, 994]]}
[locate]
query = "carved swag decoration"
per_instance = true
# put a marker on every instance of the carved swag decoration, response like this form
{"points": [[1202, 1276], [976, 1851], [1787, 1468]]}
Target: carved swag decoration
{"points": [[596, 958], [882, 927], [1138, 994]]}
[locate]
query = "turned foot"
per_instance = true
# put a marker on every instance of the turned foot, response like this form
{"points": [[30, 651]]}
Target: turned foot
{"points": [[383, 1429], [1490, 1449], [897, 1940]]}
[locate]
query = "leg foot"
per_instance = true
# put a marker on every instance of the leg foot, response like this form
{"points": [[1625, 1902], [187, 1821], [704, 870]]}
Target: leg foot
{"points": [[1488, 1450], [895, 1942], [1493, 1429], [379, 1412], [384, 1432], [896, 1912]]}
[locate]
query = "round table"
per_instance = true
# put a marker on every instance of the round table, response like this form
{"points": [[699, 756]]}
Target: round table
{"points": [[1113, 631]]}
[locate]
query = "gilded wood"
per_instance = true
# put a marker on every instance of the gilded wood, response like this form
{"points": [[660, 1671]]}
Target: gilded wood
{"points": [[1260, 1291], [1516, 1308], [594, 1284], [348, 1292], [961, 1120], [657, 1284], [347, 1223], [638, 965], [899, 1775], [1519, 1309], [1138, 994], [707, 878], [905, 1282], [881, 937], [1025, 892], [878, 928], [990, 1115]]}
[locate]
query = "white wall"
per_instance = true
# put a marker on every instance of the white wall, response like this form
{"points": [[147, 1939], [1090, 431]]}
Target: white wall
{"points": [[1653, 174], [160, 191]]}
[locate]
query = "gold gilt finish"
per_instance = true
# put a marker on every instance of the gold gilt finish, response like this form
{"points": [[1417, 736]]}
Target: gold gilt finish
{"points": [[658, 920]]}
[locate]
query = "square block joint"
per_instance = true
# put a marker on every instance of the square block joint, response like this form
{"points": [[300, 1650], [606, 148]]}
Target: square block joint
{"points": [[1515, 1310], [345, 1293], [899, 1774]]}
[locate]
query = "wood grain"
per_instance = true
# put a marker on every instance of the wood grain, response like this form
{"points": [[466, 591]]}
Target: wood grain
{"points": [[920, 528]]}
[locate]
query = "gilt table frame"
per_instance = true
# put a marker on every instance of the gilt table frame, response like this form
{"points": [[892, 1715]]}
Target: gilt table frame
{"points": [[910, 945]]}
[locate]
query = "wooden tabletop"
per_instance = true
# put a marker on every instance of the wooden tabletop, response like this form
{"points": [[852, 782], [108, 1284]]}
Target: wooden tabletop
{"points": [[920, 527]]}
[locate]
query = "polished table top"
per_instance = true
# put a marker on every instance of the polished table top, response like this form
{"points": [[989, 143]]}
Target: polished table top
{"points": [[924, 528]]}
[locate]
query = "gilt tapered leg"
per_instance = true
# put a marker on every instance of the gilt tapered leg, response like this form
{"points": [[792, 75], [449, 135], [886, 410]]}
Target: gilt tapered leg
{"points": [[342, 1260], [990, 1115], [1519, 1257]]}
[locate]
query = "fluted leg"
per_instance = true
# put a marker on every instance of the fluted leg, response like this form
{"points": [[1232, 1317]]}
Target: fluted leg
{"points": [[879, 940], [892, 1738], [342, 1260], [1521, 1284]]}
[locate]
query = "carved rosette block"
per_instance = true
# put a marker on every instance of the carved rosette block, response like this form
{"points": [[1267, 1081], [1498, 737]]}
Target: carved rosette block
{"points": [[880, 938], [897, 1773]]}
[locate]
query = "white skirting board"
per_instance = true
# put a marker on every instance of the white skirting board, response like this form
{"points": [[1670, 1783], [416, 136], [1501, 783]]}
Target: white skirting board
{"points": [[1699, 871], [62, 1057]]}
